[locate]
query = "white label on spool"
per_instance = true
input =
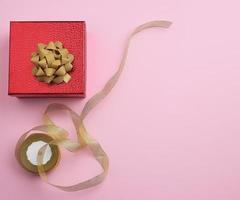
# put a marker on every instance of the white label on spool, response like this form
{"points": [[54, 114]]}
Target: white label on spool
{"points": [[33, 149]]}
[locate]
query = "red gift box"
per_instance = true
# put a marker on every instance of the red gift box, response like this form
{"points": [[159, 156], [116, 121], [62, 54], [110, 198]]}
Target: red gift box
{"points": [[24, 37]]}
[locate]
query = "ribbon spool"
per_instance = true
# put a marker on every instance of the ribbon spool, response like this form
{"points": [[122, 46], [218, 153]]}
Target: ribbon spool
{"points": [[60, 136], [31, 165]]}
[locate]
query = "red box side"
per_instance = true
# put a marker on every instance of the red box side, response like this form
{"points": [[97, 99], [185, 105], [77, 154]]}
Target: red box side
{"points": [[24, 37]]}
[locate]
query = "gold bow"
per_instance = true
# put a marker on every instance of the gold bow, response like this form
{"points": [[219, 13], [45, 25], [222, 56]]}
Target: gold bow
{"points": [[52, 63], [60, 136]]}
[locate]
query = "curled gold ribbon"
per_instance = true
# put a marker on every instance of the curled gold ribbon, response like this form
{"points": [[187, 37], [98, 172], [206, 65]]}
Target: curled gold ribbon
{"points": [[60, 136]]}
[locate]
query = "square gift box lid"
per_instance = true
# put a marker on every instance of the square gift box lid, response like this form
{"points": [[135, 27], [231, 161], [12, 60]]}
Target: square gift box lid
{"points": [[24, 38]]}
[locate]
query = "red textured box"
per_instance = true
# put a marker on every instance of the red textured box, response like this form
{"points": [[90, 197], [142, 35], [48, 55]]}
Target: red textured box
{"points": [[24, 37]]}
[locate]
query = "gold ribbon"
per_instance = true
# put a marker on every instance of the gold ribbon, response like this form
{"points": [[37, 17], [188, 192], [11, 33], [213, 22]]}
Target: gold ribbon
{"points": [[60, 136]]}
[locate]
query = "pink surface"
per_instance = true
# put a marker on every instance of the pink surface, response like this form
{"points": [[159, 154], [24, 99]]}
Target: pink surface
{"points": [[171, 125]]}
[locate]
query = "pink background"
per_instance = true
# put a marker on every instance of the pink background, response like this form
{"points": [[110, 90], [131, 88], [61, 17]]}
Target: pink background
{"points": [[171, 126]]}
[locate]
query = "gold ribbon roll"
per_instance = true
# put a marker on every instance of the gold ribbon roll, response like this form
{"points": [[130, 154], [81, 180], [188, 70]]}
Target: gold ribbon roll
{"points": [[59, 135], [23, 159]]}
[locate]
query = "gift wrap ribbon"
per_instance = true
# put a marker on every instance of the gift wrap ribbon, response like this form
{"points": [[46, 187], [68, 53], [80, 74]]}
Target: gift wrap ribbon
{"points": [[84, 140]]}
